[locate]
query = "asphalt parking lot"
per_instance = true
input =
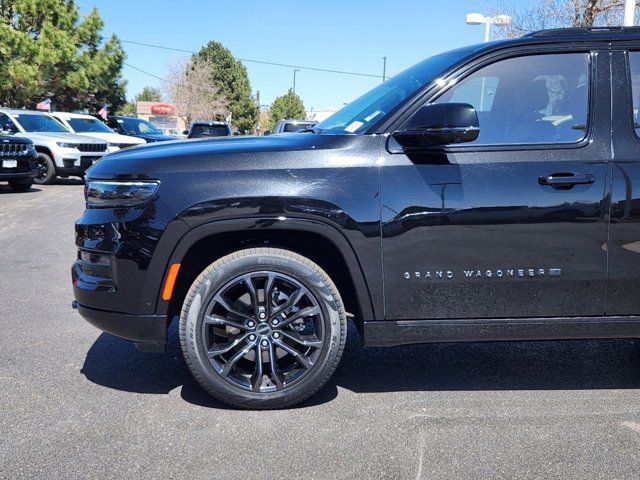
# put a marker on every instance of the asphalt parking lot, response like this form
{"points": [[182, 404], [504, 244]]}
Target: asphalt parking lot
{"points": [[76, 403]]}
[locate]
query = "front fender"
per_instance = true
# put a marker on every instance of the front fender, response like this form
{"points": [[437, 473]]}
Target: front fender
{"points": [[366, 289]]}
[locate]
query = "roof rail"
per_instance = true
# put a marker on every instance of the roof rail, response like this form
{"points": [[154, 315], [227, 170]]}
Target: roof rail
{"points": [[580, 31]]}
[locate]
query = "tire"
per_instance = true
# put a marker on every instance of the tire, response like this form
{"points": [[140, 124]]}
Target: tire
{"points": [[20, 185], [46, 170], [293, 306]]}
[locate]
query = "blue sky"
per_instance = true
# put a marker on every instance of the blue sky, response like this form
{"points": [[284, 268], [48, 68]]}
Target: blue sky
{"points": [[349, 35]]}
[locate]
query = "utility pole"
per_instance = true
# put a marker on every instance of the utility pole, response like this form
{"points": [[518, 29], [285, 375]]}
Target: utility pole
{"points": [[258, 126], [384, 69], [294, 80], [629, 12]]}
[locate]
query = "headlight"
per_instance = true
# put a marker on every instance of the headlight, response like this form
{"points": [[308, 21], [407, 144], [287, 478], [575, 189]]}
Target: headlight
{"points": [[67, 145], [103, 193]]}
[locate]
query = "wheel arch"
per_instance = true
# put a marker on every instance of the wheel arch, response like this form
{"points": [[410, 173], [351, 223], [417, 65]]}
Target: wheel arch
{"points": [[320, 242], [44, 149]]}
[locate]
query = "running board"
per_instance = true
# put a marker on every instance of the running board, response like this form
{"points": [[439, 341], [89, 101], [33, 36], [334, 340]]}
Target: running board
{"points": [[393, 333]]}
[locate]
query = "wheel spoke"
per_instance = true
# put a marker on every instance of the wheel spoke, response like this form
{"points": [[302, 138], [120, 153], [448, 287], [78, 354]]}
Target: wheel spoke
{"points": [[312, 341], [255, 301], [228, 367], [268, 290], [222, 301], [222, 321], [214, 352], [275, 376], [256, 378], [305, 312], [292, 301], [302, 360]]}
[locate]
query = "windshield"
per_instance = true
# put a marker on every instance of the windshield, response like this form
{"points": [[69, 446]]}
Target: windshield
{"points": [[83, 125], [134, 126], [297, 126], [39, 123], [360, 114]]}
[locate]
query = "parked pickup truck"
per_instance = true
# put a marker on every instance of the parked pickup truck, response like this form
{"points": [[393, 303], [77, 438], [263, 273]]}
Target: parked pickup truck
{"points": [[488, 193]]}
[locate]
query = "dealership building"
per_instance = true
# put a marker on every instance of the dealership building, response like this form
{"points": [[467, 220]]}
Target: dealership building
{"points": [[161, 115]]}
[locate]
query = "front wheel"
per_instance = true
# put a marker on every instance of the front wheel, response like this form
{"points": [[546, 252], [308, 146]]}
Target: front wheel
{"points": [[45, 170], [263, 328]]}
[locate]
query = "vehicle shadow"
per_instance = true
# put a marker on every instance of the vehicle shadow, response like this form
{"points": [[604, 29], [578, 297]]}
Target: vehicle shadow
{"points": [[5, 189], [551, 365]]}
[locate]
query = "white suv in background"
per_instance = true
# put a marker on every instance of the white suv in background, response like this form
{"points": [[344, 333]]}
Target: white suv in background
{"points": [[90, 126], [60, 152]]}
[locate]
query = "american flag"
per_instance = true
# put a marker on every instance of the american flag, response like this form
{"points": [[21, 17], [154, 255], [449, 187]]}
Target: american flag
{"points": [[104, 111], [44, 105]]}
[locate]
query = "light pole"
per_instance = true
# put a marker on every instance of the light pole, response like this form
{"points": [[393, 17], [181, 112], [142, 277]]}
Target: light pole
{"points": [[294, 80], [479, 19], [384, 69], [629, 12]]}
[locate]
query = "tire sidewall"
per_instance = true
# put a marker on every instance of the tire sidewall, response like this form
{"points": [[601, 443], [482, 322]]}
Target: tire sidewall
{"points": [[213, 279], [51, 170]]}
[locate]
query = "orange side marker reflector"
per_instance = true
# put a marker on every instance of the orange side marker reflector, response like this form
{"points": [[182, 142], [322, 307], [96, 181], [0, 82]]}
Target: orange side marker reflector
{"points": [[170, 281]]}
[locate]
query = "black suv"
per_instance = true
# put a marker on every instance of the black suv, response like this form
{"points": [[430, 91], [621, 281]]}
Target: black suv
{"points": [[18, 159], [205, 129], [487, 193], [137, 127]]}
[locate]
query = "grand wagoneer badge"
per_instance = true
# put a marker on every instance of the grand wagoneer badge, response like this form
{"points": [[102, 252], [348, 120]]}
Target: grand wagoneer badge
{"points": [[483, 273]]}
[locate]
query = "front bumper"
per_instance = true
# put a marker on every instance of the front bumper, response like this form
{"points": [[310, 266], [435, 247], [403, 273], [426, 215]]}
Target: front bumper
{"points": [[70, 161], [122, 259], [149, 332], [25, 168]]}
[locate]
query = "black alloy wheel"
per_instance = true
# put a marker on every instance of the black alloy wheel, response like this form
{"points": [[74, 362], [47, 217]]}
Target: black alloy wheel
{"points": [[45, 170], [263, 328], [263, 331]]}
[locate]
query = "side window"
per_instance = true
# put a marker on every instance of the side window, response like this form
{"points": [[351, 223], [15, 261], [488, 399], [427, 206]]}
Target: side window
{"points": [[5, 120], [634, 66], [533, 99]]}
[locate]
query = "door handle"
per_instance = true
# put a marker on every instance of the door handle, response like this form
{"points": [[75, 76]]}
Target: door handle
{"points": [[566, 180]]}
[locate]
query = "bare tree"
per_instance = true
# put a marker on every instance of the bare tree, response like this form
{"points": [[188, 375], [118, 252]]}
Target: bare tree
{"points": [[189, 87], [544, 14]]}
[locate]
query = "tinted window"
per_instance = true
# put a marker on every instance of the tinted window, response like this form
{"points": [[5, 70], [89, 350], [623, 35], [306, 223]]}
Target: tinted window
{"points": [[5, 120], [534, 99], [134, 126], [210, 130], [82, 125], [39, 123], [634, 65], [296, 127]]}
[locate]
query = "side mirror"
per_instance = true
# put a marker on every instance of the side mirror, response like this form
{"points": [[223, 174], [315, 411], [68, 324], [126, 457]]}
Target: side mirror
{"points": [[267, 132], [440, 124], [185, 132]]}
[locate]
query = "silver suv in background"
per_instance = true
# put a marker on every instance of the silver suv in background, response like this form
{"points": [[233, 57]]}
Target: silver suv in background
{"points": [[60, 152], [290, 126]]}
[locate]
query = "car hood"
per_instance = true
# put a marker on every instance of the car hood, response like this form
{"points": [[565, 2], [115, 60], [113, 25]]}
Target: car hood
{"points": [[114, 137], [155, 137], [60, 137], [221, 153], [18, 139]]}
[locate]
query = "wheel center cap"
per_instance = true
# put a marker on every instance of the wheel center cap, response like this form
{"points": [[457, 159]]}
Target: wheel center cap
{"points": [[263, 329]]}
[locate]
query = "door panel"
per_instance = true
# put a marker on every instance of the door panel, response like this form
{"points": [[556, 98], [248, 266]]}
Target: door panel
{"points": [[623, 295], [478, 232]]}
